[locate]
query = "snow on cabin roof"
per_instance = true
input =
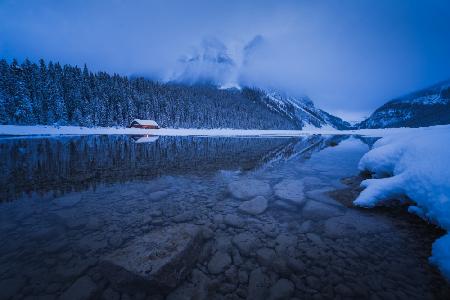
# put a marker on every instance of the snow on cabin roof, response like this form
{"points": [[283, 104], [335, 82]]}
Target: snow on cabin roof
{"points": [[146, 122]]}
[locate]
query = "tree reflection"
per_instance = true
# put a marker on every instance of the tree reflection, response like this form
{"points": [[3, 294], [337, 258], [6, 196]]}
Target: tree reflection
{"points": [[40, 165]]}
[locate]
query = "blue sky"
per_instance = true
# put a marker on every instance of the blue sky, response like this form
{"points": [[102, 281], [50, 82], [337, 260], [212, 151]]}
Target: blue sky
{"points": [[348, 56]]}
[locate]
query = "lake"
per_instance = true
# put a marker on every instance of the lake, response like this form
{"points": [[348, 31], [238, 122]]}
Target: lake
{"points": [[146, 217]]}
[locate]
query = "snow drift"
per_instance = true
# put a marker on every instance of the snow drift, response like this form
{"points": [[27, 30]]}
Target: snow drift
{"points": [[416, 165]]}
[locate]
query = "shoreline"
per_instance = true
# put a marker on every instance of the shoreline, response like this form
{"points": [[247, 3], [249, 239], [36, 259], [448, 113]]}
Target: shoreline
{"points": [[44, 130]]}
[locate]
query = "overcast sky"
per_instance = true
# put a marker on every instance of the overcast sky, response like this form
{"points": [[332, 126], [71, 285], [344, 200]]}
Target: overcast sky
{"points": [[348, 56]]}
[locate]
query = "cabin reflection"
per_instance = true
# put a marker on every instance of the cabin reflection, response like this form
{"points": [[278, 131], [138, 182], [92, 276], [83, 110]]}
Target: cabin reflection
{"points": [[141, 139]]}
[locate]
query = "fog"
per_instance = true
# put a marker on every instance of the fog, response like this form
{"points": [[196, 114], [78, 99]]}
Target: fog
{"points": [[348, 56]]}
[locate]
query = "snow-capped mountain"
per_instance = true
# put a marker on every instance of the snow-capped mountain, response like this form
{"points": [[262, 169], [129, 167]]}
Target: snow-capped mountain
{"points": [[300, 110], [427, 107]]}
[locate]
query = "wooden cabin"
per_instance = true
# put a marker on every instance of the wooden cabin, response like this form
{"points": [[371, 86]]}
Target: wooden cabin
{"points": [[146, 124]]}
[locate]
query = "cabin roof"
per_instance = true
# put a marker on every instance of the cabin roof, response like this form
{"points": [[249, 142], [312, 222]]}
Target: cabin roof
{"points": [[145, 122]]}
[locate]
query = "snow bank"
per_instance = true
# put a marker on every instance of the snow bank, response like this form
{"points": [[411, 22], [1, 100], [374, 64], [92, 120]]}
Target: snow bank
{"points": [[416, 165]]}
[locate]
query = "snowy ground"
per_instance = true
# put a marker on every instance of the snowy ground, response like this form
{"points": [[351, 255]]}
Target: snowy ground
{"points": [[14, 130], [417, 165]]}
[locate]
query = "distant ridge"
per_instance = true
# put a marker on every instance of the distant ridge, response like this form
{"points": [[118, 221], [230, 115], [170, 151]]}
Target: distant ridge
{"points": [[426, 107]]}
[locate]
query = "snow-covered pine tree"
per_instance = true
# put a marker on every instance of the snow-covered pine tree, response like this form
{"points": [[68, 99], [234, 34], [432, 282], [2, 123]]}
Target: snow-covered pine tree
{"points": [[23, 112]]}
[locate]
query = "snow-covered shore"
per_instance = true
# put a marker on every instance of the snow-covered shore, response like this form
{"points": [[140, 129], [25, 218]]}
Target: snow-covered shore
{"points": [[16, 130], [417, 165], [75, 130]]}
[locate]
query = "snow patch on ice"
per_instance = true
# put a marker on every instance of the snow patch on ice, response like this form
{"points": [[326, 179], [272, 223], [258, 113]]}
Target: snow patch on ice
{"points": [[416, 165]]}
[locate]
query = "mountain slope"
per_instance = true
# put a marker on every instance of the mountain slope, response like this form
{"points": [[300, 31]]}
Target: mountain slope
{"points": [[300, 110], [427, 107]]}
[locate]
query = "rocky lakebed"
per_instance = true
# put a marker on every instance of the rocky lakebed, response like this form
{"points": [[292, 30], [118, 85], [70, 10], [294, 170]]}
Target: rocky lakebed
{"points": [[101, 217]]}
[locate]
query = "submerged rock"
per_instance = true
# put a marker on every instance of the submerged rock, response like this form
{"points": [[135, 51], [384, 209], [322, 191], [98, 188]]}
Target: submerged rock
{"points": [[222, 242], [296, 264], [155, 196], [184, 217], [158, 261], [321, 195], [258, 285], [233, 221], [115, 241], [68, 200], [249, 188], [110, 294], [255, 206], [71, 218], [284, 205], [315, 210], [352, 223], [183, 292], [11, 286], [219, 262], [265, 256], [83, 288], [196, 288], [312, 181], [306, 226], [271, 230], [290, 190], [282, 289], [246, 243], [207, 233]]}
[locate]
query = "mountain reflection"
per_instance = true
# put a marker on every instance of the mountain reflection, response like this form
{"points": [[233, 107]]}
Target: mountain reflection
{"points": [[40, 165]]}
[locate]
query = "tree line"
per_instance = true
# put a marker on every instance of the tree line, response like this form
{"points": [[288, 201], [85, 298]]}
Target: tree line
{"points": [[55, 94]]}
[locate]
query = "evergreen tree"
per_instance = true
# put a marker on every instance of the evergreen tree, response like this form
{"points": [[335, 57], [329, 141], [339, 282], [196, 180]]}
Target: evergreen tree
{"points": [[20, 97], [4, 95], [3, 114]]}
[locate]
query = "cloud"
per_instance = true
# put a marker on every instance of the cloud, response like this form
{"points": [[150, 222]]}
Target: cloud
{"points": [[218, 63]]}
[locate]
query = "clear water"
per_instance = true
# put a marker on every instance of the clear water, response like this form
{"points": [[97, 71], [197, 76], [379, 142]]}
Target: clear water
{"points": [[67, 203]]}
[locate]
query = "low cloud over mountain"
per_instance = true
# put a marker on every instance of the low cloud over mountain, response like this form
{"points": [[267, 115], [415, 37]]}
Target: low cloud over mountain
{"points": [[216, 62]]}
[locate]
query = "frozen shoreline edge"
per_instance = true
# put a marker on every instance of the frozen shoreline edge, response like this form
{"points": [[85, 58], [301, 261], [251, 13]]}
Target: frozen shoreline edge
{"points": [[44, 130]]}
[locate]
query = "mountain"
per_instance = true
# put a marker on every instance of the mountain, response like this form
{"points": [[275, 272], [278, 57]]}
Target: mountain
{"points": [[216, 63], [51, 94], [300, 110], [427, 107]]}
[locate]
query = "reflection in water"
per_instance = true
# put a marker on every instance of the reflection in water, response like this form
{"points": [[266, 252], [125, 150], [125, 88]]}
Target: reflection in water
{"points": [[368, 140], [76, 163], [139, 139]]}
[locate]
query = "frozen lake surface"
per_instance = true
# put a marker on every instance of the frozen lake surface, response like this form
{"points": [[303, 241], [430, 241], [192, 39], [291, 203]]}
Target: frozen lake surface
{"points": [[120, 217]]}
